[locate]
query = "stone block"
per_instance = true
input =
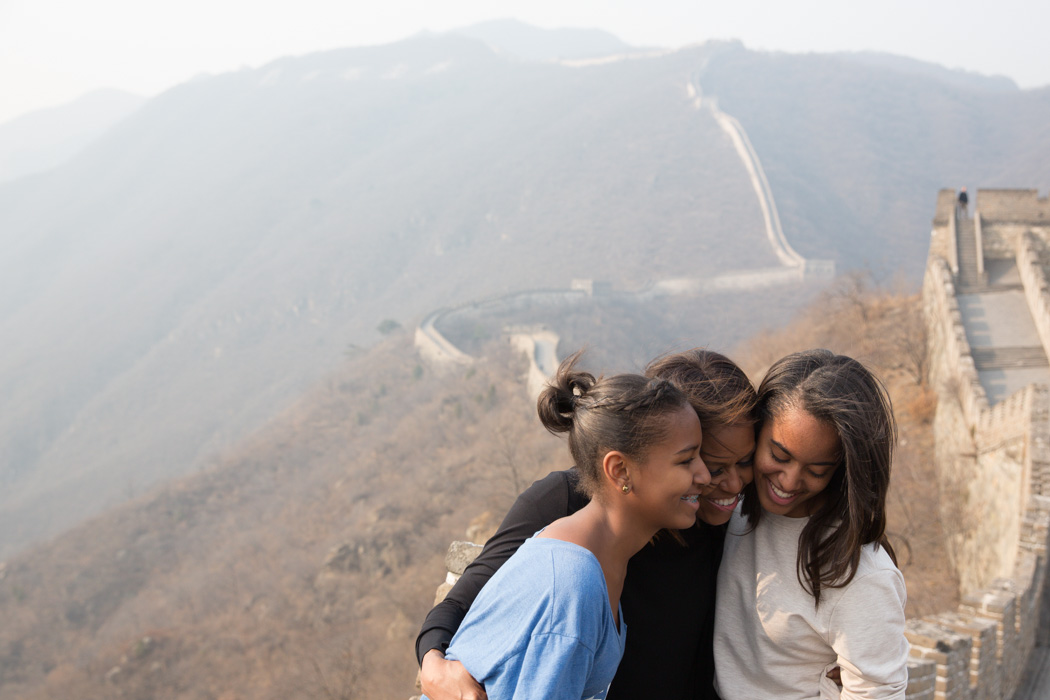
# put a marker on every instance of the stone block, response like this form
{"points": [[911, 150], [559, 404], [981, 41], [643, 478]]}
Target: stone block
{"points": [[949, 650], [460, 555], [441, 592], [984, 674]]}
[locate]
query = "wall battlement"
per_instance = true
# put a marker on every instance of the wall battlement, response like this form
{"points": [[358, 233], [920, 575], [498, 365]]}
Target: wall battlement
{"points": [[1017, 206], [993, 464]]}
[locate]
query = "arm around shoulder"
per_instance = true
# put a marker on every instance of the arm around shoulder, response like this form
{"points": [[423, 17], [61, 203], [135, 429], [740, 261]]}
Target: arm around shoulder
{"points": [[548, 499]]}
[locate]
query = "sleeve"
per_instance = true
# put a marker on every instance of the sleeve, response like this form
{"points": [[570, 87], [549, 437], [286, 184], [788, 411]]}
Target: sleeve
{"points": [[548, 499], [553, 667], [867, 634]]}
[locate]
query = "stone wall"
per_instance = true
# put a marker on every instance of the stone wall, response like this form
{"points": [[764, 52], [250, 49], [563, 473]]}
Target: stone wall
{"points": [[993, 465], [1014, 206], [952, 371], [1033, 277]]}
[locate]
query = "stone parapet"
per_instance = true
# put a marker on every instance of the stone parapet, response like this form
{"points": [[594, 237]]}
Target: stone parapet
{"points": [[1014, 206], [984, 678], [949, 651], [954, 371], [1036, 290], [945, 208], [1006, 421], [922, 679]]}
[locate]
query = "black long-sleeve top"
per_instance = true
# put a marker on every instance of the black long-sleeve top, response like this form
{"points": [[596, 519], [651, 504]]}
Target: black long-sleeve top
{"points": [[668, 596]]}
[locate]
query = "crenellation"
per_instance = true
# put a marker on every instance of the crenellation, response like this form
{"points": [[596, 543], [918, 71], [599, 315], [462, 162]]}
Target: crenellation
{"points": [[922, 679], [1034, 281], [945, 207], [1013, 205], [949, 650], [985, 677]]}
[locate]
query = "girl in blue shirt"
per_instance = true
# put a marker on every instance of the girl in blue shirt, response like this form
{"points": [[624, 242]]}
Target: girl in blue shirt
{"points": [[548, 623]]}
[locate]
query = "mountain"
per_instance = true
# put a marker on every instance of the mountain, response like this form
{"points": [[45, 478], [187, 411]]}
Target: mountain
{"points": [[855, 150], [533, 44], [910, 66], [189, 274], [181, 280], [46, 138]]}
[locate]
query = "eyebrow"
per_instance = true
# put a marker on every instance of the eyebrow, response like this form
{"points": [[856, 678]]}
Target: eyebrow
{"points": [[814, 464], [687, 449]]}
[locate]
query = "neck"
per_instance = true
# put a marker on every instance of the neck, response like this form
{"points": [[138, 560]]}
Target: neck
{"points": [[610, 535], [608, 532]]}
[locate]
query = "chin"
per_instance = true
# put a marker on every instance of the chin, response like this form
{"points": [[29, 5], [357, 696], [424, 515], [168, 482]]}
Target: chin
{"points": [[717, 517]]}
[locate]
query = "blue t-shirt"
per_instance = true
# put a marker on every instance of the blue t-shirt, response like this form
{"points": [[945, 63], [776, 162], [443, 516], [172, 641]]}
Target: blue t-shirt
{"points": [[542, 627]]}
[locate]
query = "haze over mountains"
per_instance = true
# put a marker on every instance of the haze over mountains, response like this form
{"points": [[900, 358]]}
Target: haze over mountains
{"points": [[195, 269], [45, 139]]}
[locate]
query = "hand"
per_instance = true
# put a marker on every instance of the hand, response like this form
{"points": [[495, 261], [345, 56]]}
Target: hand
{"points": [[835, 675], [442, 679]]}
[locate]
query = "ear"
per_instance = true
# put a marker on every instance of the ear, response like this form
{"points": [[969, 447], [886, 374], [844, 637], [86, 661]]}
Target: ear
{"points": [[614, 467]]}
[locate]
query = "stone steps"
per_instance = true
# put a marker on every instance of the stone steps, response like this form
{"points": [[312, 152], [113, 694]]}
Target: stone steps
{"points": [[1010, 358], [966, 235]]}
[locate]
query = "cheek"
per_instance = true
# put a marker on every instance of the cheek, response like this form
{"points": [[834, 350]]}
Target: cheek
{"points": [[763, 465], [747, 475], [815, 486]]}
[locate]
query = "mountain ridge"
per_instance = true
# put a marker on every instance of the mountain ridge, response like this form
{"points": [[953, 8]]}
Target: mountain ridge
{"points": [[179, 281]]}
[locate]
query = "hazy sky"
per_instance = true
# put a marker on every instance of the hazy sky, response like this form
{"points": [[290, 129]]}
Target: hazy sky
{"points": [[52, 51]]}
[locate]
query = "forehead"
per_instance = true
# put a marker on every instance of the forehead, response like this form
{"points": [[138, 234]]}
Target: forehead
{"points": [[683, 426], [806, 438], [735, 440]]}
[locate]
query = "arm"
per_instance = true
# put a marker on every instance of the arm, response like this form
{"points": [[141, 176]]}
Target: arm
{"points": [[440, 678], [867, 634], [545, 501]]}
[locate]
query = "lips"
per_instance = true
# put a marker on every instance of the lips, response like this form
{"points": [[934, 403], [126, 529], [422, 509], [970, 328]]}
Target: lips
{"points": [[727, 504], [692, 499], [779, 497]]}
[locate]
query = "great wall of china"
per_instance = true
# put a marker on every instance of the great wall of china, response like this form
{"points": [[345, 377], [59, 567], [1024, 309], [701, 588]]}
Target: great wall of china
{"points": [[986, 301], [437, 350], [987, 308]]}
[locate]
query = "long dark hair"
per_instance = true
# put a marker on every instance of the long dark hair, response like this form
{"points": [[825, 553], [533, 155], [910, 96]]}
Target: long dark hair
{"points": [[842, 393], [624, 412]]}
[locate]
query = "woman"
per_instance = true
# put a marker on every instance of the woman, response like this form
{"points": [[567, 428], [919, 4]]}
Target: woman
{"points": [[808, 581], [668, 594], [548, 624]]}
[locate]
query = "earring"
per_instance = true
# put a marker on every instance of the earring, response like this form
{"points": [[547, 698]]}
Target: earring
{"points": [[626, 488]]}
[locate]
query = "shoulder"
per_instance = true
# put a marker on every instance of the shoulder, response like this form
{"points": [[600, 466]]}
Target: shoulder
{"points": [[558, 492], [875, 563], [570, 566], [576, 586], [877, 591]]}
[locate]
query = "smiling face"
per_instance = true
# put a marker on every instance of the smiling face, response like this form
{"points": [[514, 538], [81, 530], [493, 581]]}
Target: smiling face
{"points": [[666, 485], [728, 451], [794, 462]]}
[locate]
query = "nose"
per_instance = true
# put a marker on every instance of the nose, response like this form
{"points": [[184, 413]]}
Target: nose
{"points": [[789, 478], [701, 475], [732, 482]]}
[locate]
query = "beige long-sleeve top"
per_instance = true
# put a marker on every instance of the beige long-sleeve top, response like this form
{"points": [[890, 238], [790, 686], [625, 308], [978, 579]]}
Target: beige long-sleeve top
{"points": [[771, 641]]}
